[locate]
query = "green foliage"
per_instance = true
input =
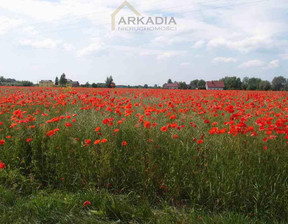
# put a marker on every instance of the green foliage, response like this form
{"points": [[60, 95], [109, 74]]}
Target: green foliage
{"points": [[279, 83], [232, 82], [265, 85], [201, 84], [182, 85], [56, 81], [63, 80], [109, 82], [254, 84]]}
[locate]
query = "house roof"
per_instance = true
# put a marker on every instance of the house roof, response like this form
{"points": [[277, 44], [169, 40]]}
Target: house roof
{"points": [[171, 85], [215, 84]]}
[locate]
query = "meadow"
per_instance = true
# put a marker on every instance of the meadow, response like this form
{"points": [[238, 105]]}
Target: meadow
{"points": [[84, 155]]}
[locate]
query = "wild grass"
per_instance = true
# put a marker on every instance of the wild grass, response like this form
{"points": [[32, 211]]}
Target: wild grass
{"points": [[155, 178]]}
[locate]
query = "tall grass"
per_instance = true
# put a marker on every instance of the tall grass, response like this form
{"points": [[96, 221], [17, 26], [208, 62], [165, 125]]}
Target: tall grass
{"points": [[226, 173]]}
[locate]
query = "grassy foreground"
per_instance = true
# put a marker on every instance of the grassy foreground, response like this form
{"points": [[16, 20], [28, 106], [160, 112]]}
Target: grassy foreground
{"points": [[59, 207], [143, 156]]}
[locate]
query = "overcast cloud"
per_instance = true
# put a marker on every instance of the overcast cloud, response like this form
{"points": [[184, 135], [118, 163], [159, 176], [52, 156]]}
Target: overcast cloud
{"points": [[42, 39]]}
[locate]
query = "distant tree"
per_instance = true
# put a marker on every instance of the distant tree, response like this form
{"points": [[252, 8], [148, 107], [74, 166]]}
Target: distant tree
{"points": [[94, 85], [278, 83], [56, 81], [245, 83], [2, 79], [63, 80], [155, 86], [201, 84], [109, 82], [27, 83], [232, 82], [169, 81], [265, 85], [146, 86], [254, 84], [194, 84], [182, 85]]}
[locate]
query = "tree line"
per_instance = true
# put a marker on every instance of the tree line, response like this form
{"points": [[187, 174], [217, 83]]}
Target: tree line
{"points": [[14, 82], [109, 83], [279, 83]]}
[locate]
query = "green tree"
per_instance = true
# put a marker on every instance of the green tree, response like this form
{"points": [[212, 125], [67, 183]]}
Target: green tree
{"points": [[201, 84], [109, 82], [94, 85], [146, 86], [265, 85], [278, 83], [169, 81], [56, 81], [26, 83], [63, 80], [182, 85], [254, 84], [245, 83], [194, 84], [232, 82]]}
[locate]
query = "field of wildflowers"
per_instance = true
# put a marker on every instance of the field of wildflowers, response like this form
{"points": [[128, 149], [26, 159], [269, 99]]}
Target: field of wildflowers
{"points": [[200, 152]]}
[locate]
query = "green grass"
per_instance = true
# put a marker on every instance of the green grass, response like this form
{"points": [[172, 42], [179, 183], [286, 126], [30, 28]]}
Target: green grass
{"points": [[63, 207], [154, 179]]}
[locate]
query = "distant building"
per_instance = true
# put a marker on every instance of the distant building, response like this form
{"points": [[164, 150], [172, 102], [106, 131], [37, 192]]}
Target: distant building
{"points": [[171, 86], [75, 84], [46, 83], [69, 83], [10, 80], [215, 85]]}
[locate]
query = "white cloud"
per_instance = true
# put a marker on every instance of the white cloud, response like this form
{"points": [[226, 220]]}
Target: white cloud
{"points": [[45, 44], [252, 63], [244, 45], [92, 49], [273, 64], [284, 55], [168, 54], [185, 64], [198, 44], [224, 60], [6, 24], [30, 30]]}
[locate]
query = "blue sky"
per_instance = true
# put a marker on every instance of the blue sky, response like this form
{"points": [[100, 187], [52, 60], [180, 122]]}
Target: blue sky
{"points": [[42, 39]]}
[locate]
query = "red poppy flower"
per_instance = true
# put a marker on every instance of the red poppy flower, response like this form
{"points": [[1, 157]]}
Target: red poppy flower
{"points": [[68, 124], [86, 203], [50, 133], [164, 128], [104, 140], [87, 141], [29, 140], [2, 141], [2, 165], [124, 143], [200, 141], [147, 124], [97, 142]]}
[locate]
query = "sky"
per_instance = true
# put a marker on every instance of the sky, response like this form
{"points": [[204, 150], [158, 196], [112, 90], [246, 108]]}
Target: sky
{"points": [[41, 39]]}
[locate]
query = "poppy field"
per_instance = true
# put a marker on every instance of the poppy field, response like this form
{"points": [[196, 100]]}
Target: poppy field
{"points": [[202, 152]]}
